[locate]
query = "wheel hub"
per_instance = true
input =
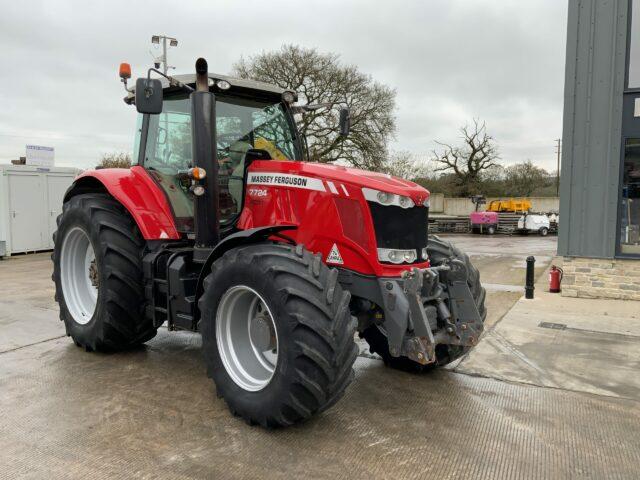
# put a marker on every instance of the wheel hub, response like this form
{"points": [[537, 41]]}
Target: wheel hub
{"points": [[261, 333], [79, 275], [93, 273], [247, 338]]}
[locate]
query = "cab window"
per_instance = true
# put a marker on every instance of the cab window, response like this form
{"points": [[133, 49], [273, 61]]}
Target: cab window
{"points": [[241, 124], [169, 151]]}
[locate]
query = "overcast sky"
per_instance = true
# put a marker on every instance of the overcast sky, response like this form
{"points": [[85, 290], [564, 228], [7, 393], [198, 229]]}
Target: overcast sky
{"points": [[450, 60]]}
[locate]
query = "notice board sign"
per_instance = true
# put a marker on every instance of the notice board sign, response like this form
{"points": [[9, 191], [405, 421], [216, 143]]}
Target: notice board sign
{"points": [[40, 156]]}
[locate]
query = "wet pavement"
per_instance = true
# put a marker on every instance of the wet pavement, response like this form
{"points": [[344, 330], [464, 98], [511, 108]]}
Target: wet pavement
{"points": [[152, 412]]}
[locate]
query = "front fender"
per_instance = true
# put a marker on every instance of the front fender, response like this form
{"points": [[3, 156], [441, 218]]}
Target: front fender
{"points": [[243, 237], [138, 193]]}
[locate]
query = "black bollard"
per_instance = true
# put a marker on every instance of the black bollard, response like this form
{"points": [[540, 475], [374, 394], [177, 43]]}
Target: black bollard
{"points": [[528, 286]]}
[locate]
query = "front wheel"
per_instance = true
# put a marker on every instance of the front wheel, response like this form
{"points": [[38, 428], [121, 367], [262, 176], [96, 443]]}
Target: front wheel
{"points": [[544, 231], [277, 333]]}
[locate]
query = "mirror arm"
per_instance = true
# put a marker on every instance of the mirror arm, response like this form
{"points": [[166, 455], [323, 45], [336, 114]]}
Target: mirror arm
{"points": [[310, 107], [172, 81]]}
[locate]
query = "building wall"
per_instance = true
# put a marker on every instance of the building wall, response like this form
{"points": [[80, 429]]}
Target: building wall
{"points": [[591, 157], [601, 278], [436, 202]]}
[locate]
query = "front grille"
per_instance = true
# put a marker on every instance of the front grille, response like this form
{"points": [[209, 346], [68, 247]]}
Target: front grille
{"points": [[400, 228]]}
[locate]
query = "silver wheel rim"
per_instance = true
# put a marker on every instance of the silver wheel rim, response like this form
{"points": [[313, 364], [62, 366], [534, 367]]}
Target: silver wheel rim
{"points": [[247, 338], [79, 275]]}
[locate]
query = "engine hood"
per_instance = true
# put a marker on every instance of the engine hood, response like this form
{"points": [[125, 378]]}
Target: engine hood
{"points": [[352, 176]]}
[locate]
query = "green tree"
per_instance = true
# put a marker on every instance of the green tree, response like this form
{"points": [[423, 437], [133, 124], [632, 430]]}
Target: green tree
{"points": [[322, 78], [522, 179], [492, 181]]}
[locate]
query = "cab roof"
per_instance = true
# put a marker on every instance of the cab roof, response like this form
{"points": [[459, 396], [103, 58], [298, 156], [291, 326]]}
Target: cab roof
{"points": [[190, 79]]}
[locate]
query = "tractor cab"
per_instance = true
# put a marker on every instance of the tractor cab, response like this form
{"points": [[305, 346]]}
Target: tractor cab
{"points": [[253, 120]]}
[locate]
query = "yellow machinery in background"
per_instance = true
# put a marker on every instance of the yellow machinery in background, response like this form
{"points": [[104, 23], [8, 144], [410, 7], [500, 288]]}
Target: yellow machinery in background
{"points": [[511, 205]]}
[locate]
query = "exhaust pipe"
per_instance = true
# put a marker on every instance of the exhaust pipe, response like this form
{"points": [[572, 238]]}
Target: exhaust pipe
{"points": [[202, 77], [204, 154]]}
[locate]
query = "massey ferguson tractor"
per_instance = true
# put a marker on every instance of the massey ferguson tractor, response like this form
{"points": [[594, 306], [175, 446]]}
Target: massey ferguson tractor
{"points": [[219, 227]]}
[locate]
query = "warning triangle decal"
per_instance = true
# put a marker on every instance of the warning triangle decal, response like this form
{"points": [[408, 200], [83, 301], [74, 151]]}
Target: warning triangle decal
{"points": [[334, 255]]}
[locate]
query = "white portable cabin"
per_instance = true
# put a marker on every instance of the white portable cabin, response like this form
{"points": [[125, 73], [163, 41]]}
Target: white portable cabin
{"points": [[30, 200]]}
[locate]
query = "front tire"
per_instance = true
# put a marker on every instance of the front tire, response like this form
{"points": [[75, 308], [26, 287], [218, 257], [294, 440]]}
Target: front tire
{"points": [[303, 363], [97, 270], [439, 250]]}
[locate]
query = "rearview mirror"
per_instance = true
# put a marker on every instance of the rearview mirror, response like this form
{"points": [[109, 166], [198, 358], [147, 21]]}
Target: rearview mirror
{"points": [[345, 122], [149, 95]]}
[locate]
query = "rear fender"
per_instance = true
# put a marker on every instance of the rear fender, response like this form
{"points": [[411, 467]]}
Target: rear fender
{"points": [[137, 192]]}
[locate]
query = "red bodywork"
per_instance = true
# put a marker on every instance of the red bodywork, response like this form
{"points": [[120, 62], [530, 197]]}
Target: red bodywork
{"points": [[325, 202], [141, 196]]}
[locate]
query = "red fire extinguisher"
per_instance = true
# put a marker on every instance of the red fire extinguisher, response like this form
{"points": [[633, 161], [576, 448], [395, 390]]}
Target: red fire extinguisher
{"points": [[555, 278]]}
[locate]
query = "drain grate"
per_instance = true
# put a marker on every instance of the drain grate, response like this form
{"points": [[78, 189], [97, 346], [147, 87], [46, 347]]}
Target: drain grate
{"points": [[562, 326], [552, 326]]}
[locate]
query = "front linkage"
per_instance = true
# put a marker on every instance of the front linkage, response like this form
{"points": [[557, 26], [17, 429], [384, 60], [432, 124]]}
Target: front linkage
{"points": [[429, 307]]}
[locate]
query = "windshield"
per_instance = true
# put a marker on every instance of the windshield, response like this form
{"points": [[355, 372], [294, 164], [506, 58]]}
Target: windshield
{"points": [[241, 124]]}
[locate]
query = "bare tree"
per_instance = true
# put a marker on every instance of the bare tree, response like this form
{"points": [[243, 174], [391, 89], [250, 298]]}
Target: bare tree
{"points": [[522, 179], [404, 164], [115, 160], [322, 78], [477, 153]]}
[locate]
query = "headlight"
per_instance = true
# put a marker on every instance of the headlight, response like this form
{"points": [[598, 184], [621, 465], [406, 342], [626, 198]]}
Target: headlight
{"points": [[223, 85], [405, 202], [386, 198], [409, 256], [425, 254], [396, 256]]}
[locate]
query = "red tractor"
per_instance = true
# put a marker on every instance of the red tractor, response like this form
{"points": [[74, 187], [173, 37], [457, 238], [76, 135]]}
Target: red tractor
{"points": [[220, 228]]}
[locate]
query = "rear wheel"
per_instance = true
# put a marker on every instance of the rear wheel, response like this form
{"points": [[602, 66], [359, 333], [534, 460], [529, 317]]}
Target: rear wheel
{"points": [[97, 270], [439, 250], [277, 333]]}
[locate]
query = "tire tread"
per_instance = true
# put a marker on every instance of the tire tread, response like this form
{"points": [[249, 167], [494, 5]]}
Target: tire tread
{"points": [[323, 329], [123, 324]]}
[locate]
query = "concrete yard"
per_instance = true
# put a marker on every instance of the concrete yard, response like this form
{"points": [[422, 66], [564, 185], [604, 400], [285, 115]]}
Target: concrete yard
{"points": [[530, 401]]}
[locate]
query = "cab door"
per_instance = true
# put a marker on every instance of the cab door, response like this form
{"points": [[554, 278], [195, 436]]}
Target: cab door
{"points": [[167, 152]]}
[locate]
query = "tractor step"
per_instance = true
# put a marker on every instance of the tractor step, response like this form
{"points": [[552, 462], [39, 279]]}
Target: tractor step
{"points": [[171, 279]]}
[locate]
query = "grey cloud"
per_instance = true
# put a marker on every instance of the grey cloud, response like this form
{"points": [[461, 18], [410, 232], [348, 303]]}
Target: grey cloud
{"points": [[450, 61]]}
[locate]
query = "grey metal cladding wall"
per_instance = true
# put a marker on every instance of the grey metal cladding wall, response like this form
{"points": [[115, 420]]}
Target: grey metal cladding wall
{"points": [[594, 83]]}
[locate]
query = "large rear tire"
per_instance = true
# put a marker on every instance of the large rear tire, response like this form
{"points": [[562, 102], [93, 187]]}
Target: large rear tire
{"points": [[439, 250], [303, 362], [97, 270]]}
